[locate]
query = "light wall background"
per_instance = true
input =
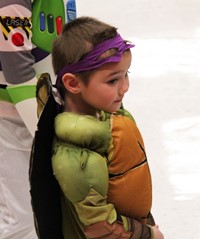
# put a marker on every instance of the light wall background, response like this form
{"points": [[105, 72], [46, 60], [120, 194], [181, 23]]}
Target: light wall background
{"points": [[164, 98]]}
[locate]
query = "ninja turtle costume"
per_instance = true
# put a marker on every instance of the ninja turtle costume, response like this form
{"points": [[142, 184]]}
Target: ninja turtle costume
{"points": [[102, 169]]}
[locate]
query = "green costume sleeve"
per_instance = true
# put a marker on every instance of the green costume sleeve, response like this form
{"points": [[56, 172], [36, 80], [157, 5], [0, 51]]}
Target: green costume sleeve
{"points": [[78, 171], [80, 165], [83, 178]]}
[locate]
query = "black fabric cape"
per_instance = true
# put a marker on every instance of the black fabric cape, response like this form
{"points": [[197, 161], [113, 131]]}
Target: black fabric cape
{"points": [[44, 189]]}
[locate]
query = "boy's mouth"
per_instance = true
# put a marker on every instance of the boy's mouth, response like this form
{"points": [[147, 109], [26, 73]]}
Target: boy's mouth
{"points": [[118, 101]]}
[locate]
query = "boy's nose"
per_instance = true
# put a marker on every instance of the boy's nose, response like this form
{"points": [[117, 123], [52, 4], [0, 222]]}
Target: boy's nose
{"points": [[124, 87]]}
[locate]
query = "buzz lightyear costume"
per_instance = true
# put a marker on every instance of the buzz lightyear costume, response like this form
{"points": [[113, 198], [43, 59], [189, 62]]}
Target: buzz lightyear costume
{"points": [[22, 56], [100, 166], [16, 220]]}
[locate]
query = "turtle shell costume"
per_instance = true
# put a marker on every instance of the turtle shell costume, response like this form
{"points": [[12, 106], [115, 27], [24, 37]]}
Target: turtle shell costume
{"points": [[100, 166], [102, 169]]}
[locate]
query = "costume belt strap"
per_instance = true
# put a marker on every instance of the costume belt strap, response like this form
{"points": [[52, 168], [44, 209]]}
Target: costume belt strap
{"points": [[4, 96], [16, 94]]}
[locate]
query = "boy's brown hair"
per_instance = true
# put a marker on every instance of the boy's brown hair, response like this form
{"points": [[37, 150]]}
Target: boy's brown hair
{"points": [[77, 39]]}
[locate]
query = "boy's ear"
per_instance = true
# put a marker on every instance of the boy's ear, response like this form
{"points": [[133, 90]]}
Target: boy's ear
{"points": [[71, 83]]}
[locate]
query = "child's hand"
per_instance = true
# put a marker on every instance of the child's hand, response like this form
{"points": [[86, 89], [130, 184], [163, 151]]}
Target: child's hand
{"points": [[157, 233]]}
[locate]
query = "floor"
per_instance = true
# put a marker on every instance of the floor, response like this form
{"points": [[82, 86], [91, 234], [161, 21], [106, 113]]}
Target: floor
{"points": [[164, 97]]}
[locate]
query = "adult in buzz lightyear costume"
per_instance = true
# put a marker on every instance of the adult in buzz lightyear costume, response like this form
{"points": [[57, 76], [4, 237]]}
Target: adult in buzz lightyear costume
{"points": [[22, 57]]}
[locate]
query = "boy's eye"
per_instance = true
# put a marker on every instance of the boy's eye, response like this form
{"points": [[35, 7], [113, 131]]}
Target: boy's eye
{"points": [[114, 81], [111, 82]]}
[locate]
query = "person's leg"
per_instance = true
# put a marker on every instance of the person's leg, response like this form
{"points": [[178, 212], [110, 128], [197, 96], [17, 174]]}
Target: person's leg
{"points": [[16, 217]]}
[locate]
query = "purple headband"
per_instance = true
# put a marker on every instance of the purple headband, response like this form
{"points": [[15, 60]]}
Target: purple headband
{"points": [[92, 61]]}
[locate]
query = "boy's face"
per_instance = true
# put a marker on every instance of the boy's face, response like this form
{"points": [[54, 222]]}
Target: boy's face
{"points": [[107, 85]]}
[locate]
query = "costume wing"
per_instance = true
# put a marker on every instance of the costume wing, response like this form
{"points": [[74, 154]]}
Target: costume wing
{"points": [[45, 191]]}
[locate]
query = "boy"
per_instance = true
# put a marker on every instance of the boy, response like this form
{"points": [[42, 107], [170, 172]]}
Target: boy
{"points": [[99, 158]]}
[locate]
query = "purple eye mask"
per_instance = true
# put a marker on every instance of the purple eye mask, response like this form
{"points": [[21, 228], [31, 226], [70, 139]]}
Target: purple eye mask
{"points": [[92, 61]]}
